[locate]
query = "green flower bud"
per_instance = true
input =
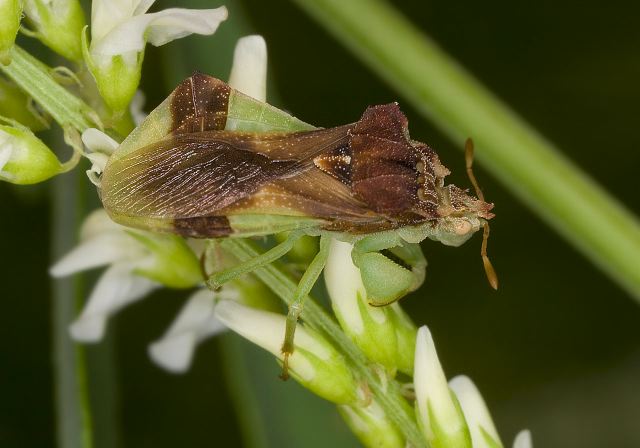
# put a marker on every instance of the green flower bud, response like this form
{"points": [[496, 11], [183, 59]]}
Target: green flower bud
{"points": [[405, 336], [117, 77], [376, 330], [437, 410], [372, 426], [24, 158], [172, 263], [58, 24], [314, 363], [10, 14]]}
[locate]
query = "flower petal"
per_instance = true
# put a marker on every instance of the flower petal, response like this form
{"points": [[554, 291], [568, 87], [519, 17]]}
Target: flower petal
{"points": [[107, 14], [249, 69], [195, 323], [115, 289], [97, 141], [266, 329], [314, 362], [98, 162], [98, 251], [98, 223], [475, 412], [158, 29], [523, 439]]}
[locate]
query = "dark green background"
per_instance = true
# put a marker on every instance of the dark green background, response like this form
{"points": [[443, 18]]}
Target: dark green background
{"points": [[556, 349]]}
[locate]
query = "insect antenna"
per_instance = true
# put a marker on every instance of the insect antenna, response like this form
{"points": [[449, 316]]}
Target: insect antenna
{"points": [[488, 267]]}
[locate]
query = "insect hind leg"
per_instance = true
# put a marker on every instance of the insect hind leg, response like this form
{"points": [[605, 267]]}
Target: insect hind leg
{"points": [[217, 279], [307, 281]]}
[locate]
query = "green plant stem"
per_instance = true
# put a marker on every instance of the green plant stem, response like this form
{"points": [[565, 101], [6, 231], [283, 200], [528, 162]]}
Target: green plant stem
{"points": [[558, 191], [35, 79], [386, 392], [73, 411]]}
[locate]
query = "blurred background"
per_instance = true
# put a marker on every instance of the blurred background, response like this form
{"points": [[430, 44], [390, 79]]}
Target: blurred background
{"points": [[555, 350]]}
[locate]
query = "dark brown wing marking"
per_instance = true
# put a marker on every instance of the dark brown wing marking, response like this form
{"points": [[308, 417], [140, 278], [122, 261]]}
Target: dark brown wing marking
{"points": [[203, 226], [198, 174], [182, 178], [200, 103]]}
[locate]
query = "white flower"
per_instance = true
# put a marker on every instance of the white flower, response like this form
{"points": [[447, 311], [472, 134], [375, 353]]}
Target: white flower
{"points": [[483, 431], [314, 362], [440, 419], [138, 263], [195, 323], [100, 147], [120, 30]]}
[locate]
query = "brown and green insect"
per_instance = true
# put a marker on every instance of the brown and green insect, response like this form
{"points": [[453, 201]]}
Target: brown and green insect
{"points": [[210, 162]]}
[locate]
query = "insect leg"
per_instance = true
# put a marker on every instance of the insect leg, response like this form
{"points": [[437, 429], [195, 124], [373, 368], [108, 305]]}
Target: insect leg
{"points": [[378, 241], [307, 281], [219, 278], [411, 254], [388, 277]]}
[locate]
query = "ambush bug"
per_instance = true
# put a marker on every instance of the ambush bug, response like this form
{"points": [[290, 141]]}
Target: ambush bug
{"points": [[210, 162]]}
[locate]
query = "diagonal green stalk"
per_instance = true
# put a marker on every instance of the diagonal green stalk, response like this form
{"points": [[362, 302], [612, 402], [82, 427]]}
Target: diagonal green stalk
{"points": [[557, 190], [34, 78], [386, 392]]}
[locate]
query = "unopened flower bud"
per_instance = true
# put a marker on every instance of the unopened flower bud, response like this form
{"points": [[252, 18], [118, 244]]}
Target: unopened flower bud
{"points": [[10, 15], [523, 439], [314, 363], [24, 158], [439, 414], [483, 431], [58, 24], [372, 426]]}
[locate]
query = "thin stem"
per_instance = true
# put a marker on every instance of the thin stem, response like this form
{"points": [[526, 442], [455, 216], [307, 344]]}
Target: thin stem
{"points": [[558, 191], [35, 79], [73, 411], [388, 393]]}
